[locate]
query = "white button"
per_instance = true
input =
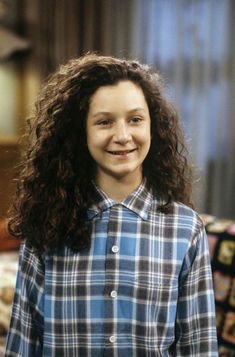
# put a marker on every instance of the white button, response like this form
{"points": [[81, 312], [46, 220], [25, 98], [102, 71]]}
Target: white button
{"points": [[115, 249], [113, 294], [112, 339]]}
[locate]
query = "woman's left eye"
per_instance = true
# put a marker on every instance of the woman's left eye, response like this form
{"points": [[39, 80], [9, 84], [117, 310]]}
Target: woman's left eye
{"points": [[135, 120]]}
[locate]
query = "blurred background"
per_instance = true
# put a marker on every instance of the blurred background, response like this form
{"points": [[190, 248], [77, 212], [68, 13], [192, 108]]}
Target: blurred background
{"points": [[192, 44]]}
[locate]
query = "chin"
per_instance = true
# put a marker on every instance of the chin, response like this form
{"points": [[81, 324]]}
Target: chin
{"points": [[126, 174]]}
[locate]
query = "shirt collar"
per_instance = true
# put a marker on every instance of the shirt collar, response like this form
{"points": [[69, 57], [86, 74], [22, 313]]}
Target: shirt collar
{"points": [[139, 201]]}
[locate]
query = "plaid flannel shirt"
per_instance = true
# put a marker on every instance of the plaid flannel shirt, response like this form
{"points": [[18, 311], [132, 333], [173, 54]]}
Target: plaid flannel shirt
{"points": [[143, 288]]}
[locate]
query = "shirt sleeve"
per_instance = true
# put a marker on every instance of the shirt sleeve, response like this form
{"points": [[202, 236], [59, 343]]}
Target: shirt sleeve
{"points": [[26, 325], [195, 322]]}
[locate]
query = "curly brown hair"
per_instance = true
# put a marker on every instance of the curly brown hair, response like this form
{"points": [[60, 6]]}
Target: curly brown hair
{"points": [[53, 190]]}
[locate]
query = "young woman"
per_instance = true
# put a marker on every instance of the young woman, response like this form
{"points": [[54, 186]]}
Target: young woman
{"points": [[113, 262]]}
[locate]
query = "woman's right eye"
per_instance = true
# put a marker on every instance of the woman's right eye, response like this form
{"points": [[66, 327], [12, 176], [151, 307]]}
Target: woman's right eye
{"points": [[104, 122]]}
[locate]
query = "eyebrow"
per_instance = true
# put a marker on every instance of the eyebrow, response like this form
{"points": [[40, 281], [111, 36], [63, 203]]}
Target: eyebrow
{"points": [[103, 112]]}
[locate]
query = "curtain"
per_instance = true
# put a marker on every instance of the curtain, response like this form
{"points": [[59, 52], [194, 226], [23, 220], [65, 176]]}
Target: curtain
{"points": [[63, 29], [191, 42]]}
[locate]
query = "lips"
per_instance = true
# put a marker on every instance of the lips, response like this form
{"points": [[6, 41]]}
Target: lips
{"points": [[121, 152]]}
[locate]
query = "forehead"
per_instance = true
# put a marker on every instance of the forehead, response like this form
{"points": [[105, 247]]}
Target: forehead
{"points": [[125, 93]]}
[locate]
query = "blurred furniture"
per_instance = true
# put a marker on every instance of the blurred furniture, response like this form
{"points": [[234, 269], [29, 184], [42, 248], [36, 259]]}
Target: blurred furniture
{"points": [[9, 158], [221, 238], [8, 268], [11, 43]]}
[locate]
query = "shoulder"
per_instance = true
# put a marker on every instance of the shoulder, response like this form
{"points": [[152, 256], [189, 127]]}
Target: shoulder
{"points": [[187, 214], [30, 262], [189, 219], [181, 217]]}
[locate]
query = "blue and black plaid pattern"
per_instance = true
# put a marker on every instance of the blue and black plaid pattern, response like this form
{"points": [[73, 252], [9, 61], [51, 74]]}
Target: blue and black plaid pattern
{"points": [[143, 288]]}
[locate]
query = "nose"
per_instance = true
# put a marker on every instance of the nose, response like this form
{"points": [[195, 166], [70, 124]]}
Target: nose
{"points": [[122, 133]]}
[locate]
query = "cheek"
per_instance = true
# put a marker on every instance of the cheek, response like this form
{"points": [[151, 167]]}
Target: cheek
{"points": [[146, 142], [95, 141], [145, 136], [92, 138]]}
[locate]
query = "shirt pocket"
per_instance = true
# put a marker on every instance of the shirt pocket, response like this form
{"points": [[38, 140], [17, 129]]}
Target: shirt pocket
{"points": [[156, 289], [156, 304]]}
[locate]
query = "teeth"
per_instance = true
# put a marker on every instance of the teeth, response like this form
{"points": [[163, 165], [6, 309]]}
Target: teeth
{"points": [[120, 152]]}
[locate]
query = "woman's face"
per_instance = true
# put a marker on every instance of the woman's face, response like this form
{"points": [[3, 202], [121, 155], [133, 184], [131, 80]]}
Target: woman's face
{"points": [[118, 131]]}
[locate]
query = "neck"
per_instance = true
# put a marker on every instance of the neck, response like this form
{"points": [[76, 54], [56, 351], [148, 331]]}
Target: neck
{"points": [[118, 189]]}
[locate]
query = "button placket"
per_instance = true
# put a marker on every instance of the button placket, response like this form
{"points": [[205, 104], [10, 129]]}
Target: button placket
{"points": [[115, 249], [113, 294], [112, 339], [110, 272]]}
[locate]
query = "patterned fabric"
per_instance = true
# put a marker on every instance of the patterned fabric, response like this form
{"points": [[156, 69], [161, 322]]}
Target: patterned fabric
{"points": [[221, 236], [144, 288]]}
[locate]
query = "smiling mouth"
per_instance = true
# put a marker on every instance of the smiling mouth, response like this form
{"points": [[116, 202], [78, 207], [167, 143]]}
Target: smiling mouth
{"points": [[121, 152]]}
